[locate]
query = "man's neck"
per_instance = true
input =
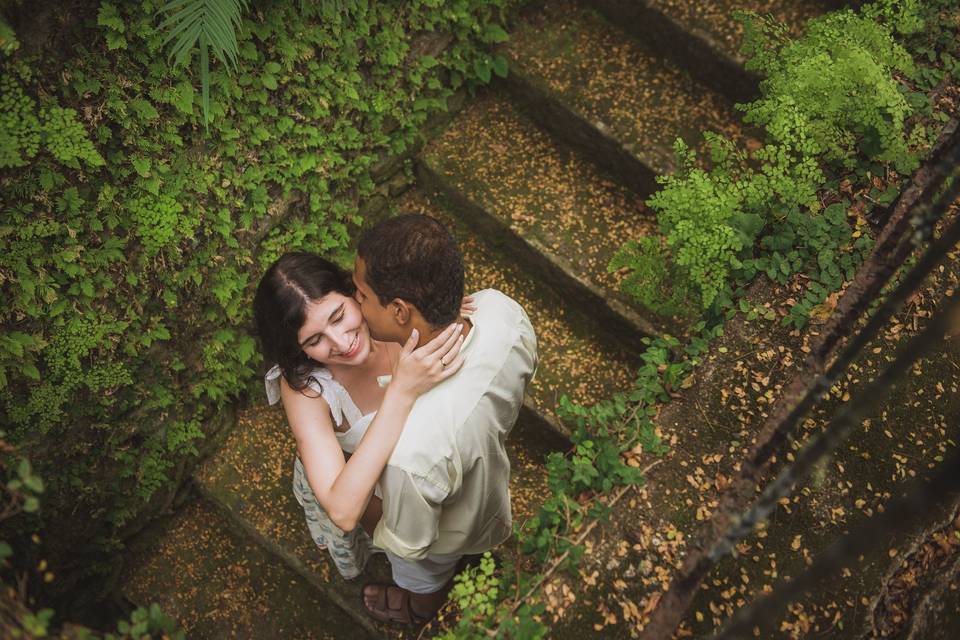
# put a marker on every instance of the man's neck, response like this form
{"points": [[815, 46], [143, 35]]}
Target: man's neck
{"points": [[429, 332]]}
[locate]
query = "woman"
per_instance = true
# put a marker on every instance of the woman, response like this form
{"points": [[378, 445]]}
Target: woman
{"points": [[329, 374]]}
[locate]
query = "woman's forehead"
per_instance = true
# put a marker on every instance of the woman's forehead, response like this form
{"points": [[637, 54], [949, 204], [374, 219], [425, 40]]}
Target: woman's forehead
{"points": [[319, 313]]}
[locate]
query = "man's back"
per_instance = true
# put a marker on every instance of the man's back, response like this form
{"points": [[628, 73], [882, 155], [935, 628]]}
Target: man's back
{"points": [[445, 490]]}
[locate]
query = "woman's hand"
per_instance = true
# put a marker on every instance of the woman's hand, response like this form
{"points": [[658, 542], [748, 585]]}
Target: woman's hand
{"points": [[419, 370], [467, 306]]}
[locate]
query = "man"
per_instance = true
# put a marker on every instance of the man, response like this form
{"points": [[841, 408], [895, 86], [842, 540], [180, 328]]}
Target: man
{"points": [[445, 489]]}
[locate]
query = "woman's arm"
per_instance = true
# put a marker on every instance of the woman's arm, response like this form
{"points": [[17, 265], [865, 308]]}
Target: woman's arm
{"points": [[344, 488]]}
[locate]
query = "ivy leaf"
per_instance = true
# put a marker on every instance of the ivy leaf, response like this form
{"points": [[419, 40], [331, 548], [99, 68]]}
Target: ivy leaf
{"points": [[115, 41], [825, 259], [500, 66], [482, 67], [495, 33], [109, 17], [144, 109], [33, 483], [182, 97], [142, 166]]}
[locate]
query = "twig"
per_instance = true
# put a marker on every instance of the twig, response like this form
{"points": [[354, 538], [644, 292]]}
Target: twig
{"points": [[579, 540]]}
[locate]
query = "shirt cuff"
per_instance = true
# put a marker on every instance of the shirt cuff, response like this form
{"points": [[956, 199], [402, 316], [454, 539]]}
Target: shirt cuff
{"points": [[388, 541]]}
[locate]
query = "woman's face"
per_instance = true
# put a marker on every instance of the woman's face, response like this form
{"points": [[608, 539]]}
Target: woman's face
{"points": [[334, 331]]}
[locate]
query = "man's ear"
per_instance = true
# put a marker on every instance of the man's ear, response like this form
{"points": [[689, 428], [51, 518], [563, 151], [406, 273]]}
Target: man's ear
{"points": [[400, 311]]}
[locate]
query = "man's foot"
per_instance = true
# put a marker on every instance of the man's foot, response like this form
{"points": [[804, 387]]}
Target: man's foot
{"points": [[390, 603]]}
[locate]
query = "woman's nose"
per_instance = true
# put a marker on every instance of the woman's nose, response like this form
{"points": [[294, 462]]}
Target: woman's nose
{"points": [[341, 341]]}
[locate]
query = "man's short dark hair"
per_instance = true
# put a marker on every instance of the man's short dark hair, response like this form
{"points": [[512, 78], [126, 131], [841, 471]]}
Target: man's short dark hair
{"points": [[413, 257]]}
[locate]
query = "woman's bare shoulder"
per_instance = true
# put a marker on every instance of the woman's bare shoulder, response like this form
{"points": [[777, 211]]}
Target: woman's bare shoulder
{"points": [[303, 406]]}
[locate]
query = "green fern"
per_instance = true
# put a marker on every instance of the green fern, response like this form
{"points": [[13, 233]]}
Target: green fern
{"points": [[209, 24]]}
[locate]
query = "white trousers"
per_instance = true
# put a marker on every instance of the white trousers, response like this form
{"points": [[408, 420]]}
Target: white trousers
{"points": [[423, 576]]}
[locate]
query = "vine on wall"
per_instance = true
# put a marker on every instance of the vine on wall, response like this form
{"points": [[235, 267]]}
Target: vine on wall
{"points": [[133, 235]]}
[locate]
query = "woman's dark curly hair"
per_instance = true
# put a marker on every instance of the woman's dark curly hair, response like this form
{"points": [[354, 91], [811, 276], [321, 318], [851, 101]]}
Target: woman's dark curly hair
{"points": [[280, 308]]}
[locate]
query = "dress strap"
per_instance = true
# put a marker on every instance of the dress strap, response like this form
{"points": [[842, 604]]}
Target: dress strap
{"points": [[271, 381], [321, 381], [341, 404]]}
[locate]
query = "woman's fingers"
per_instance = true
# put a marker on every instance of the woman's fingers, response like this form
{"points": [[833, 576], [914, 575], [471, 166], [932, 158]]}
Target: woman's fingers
{"points": [[447, 356], [441, 341], [467, 306], [411, 343], [452, 367], [449, 348]]}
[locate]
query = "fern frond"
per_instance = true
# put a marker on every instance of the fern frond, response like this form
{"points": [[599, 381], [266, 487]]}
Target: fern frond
{"points": [[207, 24]]}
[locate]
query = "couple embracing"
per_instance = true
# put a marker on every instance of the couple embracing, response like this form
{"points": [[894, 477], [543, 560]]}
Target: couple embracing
{"points": [[400, 393]]}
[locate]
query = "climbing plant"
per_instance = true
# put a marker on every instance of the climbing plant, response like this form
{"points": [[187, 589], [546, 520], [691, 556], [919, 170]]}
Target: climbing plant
{"points": [[134, 227]]}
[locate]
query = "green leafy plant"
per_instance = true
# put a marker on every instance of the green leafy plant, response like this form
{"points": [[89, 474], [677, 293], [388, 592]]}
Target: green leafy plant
{"points": [[835, 83], [133, 236], [829, 101], [207, 25]]}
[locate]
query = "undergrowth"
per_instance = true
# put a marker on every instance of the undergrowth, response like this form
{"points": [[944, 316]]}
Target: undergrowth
{"points": [[846, 112], [134, 227]]}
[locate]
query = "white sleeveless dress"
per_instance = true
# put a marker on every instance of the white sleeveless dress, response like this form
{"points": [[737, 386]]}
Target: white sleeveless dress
{"points": [[350, 550]]}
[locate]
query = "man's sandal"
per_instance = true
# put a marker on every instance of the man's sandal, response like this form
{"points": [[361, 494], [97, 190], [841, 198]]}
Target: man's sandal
{"points": [[401, 613]]}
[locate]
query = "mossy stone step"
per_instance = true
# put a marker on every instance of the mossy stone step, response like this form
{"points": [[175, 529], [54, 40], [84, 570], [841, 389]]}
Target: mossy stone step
{"points": [[596, 87], [221, 585], [711, 426], [552, 208], [250, 480], [577, 358], [704, 37]]}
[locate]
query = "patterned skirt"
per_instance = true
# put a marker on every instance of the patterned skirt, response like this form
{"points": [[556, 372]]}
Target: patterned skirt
{"points": [[350, 550]]}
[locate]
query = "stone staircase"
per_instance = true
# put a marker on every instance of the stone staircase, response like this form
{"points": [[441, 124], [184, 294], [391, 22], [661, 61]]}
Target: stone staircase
{"points": [[541, 178]]}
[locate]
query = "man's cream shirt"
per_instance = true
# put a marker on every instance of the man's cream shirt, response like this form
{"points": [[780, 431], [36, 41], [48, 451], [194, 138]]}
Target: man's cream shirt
{"points": [[446, 487]]}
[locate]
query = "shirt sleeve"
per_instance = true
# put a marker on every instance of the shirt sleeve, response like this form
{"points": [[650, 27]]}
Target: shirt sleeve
{"points": [[411, 514]]}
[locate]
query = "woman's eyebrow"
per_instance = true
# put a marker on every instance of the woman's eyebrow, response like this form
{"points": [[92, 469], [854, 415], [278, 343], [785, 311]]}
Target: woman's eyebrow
{"points": [[329, 319]]}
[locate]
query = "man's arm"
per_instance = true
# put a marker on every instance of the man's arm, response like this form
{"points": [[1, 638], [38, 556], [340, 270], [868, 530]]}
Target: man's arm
{"points": [[411, 514], [372, 515]]}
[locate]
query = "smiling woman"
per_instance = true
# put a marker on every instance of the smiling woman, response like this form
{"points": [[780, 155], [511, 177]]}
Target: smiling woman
{"points": [[325, 371]]}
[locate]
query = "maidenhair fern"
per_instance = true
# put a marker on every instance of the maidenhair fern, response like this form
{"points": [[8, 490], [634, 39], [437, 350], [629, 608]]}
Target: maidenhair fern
{"points": [[837, 83]]}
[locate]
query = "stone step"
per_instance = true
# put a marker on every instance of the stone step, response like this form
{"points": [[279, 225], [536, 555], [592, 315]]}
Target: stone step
{"points": [[221, 585], [249, 479], [709, 429], [577, 358], [703, 37], [597, 88], [548, 206]]}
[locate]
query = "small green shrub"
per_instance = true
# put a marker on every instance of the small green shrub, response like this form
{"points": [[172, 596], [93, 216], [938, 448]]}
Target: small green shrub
{"points": [[830, 102], [835, 84]]}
